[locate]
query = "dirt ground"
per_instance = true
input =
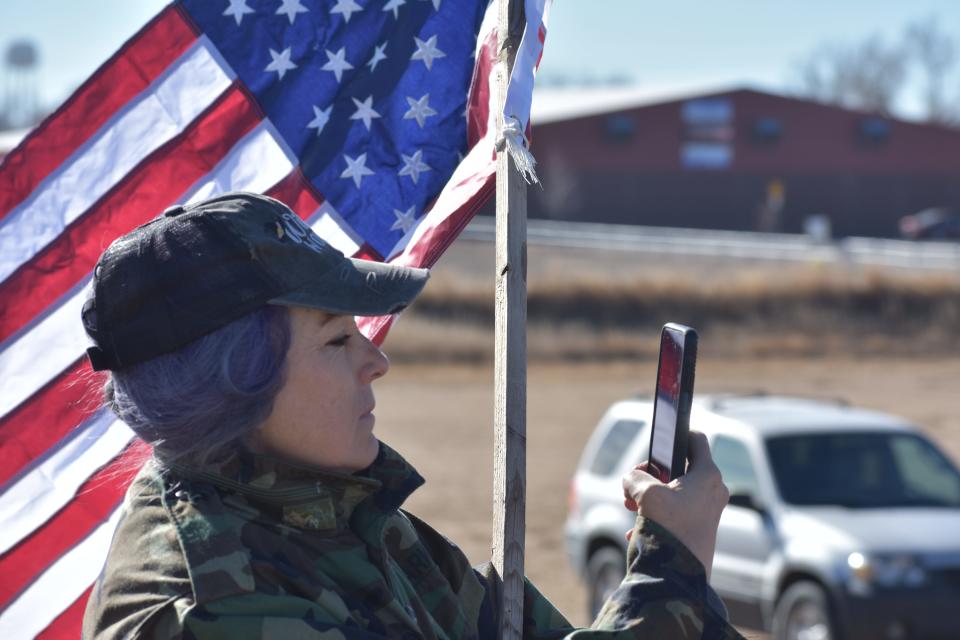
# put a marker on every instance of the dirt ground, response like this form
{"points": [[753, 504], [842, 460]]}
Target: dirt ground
{"points": [[441, 417]]}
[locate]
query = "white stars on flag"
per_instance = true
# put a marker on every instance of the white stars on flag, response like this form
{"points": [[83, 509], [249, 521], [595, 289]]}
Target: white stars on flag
{"points": [[320, 118], [281, 62], [337, 62], [384, 164], [378, 55], [394, 5], [291, 8], [356, 168], [237, 9], [405, 219], [364, 112], [346, 8], [419, 110], [414, 165], [427, 51]]}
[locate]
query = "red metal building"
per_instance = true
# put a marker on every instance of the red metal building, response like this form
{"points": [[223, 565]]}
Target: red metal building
{"points": [[741, 159]]}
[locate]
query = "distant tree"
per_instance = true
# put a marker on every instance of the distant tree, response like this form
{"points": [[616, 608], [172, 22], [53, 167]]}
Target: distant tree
{"points": [[934, 53], [867, 76], [619, 79], [870, 75]]}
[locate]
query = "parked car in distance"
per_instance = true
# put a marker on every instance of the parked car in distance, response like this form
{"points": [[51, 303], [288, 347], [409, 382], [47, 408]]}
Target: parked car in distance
{"points": [[936, 223], [842, 522]]}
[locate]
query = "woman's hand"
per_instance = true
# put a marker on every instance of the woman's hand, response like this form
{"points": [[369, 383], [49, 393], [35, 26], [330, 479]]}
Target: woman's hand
{"points": [[690, 506]]}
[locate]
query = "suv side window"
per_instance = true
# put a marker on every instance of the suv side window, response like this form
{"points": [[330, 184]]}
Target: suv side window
{"points": [[733, 460], [924, 471], [614, 445]]}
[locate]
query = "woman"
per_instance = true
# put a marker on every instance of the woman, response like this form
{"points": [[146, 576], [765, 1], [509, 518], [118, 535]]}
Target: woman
{"points": [[270, 509]]}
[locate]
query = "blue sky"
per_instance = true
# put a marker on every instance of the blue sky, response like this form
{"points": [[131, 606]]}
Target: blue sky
{"points": [[680, 45]]}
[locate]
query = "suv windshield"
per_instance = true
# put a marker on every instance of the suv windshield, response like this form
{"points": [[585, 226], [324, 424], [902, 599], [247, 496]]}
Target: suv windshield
{"points": [[862, 470]]}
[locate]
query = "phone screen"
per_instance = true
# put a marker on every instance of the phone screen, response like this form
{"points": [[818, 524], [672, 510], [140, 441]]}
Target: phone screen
{"points": [[667, 400]]}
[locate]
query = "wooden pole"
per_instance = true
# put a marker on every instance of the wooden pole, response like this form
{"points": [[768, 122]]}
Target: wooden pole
{"points": [[510, 376]]}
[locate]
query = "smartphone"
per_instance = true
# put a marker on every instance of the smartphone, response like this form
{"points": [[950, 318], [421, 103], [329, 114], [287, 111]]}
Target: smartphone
{"points": [[672, 400]]}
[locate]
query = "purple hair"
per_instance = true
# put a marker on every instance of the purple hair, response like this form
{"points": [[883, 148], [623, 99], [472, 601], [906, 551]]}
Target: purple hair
{"points": [[195, 402]]}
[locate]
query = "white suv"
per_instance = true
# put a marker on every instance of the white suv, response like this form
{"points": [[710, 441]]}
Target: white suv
{"points": [[842, 522]]}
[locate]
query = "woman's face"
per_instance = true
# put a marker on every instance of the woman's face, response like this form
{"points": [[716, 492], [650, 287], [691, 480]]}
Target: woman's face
{"points": [[323, 414]]}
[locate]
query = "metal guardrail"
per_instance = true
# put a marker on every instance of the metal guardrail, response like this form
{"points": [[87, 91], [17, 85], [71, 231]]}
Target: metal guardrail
{"points": [[742, 245]]}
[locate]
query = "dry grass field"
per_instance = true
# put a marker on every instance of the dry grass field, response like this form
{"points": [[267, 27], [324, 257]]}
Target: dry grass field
{"points": [[436, 404], [593, 305]]}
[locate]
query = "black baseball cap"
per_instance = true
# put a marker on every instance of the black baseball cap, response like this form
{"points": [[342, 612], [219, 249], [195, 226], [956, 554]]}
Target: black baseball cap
{"points": [[200, 266]]}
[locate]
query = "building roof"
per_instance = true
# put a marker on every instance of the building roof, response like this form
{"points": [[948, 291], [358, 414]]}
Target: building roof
{"points": [[552, 104]]}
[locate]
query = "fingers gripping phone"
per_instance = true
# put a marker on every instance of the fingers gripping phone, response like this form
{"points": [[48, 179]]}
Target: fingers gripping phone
{"points": [[672, 401]]}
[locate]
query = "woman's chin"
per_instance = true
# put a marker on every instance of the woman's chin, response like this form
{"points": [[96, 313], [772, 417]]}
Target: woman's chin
{"points": [[373, 449]]}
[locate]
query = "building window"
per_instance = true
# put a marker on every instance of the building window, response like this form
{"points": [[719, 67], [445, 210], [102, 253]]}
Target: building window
{"points": [[767, 131], [619, 128], [874, 131], [708, 133]]}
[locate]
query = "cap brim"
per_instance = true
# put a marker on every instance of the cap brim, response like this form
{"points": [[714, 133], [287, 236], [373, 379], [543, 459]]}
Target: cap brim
{"points": [[359, 288]]}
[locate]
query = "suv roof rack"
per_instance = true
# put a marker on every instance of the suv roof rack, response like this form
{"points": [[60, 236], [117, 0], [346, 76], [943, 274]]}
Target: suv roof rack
{"points": [[716, 401]]}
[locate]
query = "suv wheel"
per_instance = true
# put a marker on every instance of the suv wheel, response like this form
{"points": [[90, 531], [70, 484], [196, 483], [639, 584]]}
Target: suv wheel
{"points": [[803, 613], [605, 571]]}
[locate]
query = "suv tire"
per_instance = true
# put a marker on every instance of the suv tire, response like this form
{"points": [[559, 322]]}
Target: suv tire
{"points": [[803, 613], [605, 571]]}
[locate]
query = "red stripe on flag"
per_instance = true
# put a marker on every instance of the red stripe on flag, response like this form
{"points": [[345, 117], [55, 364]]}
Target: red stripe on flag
{"points": [[435, 241], [366, 252], [128, 72], [143, 193], [95, 501], [45, 419], [542, 38], [376, 328], [297, 193], [478, 100], [69, 623]]}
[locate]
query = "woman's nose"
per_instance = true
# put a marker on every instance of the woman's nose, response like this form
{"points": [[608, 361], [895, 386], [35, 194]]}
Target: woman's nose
{"points": [[378, 364]]}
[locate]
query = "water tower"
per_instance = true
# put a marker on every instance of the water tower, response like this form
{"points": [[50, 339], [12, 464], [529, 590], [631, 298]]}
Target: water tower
{"points": [[20, 108]]}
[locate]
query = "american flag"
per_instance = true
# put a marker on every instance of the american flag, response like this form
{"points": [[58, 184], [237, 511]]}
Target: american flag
{"points": [[373, 120]]}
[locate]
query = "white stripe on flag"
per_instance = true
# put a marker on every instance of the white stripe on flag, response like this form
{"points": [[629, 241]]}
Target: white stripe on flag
{"points": [[35, 358], [488, 25], [256, 163], [332, 228], [60, 585], [158, 114], [48, 487], [520, 88]]}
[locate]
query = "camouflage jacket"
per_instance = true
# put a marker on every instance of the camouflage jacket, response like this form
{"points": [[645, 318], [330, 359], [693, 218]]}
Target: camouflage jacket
{"points": [[256, 548]]}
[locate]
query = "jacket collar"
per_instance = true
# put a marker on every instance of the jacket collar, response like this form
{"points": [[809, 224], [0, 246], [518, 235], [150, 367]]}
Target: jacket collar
{"points": [[308, 497]]}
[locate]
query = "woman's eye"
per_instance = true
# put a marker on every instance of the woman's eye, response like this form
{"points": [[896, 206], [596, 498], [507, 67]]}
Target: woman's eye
{"points": [[339, 342]]}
